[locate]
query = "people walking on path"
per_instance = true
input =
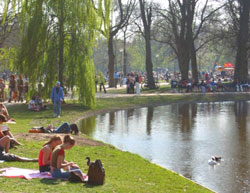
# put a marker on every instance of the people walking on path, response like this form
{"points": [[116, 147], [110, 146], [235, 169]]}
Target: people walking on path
{"points": [[57, 97], [20, 88], [2, 86], [12, 87], [137, 84], [101, 81]]}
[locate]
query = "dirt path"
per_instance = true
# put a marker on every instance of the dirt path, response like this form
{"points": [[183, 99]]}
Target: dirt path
{"points": [[81, 140]]}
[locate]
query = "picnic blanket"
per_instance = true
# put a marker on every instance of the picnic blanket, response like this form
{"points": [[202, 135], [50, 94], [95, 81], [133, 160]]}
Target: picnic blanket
{"points": [[27, 174]]}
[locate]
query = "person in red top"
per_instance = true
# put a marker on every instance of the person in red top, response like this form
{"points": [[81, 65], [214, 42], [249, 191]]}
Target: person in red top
{"points": [[45, 153]]}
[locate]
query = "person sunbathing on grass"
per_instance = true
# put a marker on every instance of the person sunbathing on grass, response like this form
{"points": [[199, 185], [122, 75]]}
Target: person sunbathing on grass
{"points": [[5, 131], [58, 162], [46, 151], [4, 149], [63, 128], [5, 145]]}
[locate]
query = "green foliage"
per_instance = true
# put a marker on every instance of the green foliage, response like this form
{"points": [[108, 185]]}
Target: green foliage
{"points": [[52, 29], [8, 57]]}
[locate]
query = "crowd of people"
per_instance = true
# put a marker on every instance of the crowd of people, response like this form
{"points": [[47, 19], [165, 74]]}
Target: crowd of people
{"points": [[18, 88]]}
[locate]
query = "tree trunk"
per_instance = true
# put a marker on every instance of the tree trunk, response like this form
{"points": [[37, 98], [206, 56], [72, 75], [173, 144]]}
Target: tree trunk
{"points": [[190, 39], [125, 55], [61, 43], [241, 66], [183, 59], [149, 64], [184, 67], [146, 16], [111, 61], [194, 62]]}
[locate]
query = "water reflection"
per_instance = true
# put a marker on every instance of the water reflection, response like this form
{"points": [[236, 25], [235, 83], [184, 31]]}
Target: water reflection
{"points": [[149, 119], [182, 137], [240, 110], [111, 122], [88, 125]]}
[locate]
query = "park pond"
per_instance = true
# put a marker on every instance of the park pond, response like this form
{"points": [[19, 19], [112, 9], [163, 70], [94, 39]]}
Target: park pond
{"points": [[183, 137]]}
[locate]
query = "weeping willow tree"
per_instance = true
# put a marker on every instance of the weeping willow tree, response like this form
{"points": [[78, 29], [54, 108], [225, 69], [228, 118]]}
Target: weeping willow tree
{"points": [[57, 41]]}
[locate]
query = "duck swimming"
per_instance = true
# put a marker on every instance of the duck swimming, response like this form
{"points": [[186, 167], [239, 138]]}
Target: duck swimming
{"points": [[214, 160]]}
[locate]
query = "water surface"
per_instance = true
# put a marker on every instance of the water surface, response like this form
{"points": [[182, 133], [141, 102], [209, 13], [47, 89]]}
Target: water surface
{"points": [[183, 137]]}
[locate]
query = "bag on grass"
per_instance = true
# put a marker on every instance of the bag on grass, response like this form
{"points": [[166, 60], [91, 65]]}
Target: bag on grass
{"points": [[96, 173]]}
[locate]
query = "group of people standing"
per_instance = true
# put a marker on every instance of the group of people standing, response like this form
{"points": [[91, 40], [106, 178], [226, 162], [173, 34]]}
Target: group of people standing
{"points": [[133, 80], [17, 89]]}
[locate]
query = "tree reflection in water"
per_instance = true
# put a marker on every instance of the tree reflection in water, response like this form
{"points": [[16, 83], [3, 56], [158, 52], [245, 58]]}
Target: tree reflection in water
{"points": [[149, 119], [88, 125]]}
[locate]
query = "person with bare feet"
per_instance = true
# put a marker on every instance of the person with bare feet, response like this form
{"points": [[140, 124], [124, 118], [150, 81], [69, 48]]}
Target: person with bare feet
{"points": [[5, 145], [5, 131]]}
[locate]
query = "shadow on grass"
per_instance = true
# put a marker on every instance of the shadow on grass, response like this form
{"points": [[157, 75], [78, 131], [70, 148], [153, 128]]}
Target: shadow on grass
{"points": [[50, 181], [91, 185]]}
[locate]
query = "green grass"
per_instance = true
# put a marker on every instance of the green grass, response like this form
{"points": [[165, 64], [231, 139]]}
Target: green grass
{"points": [[125, 172]]}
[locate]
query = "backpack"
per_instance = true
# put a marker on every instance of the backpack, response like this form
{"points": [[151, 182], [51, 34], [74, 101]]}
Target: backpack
{"points": [[96, 173]]}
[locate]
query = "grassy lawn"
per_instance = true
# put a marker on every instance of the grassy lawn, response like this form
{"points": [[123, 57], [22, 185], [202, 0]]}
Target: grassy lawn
{"points": [[125, 172]]}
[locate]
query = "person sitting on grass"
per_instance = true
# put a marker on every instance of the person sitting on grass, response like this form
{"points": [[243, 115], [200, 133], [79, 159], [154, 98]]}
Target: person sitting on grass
{"points": [[32, 104], [4, 149], [5, 145], [60, 168], [4, 111], [5, 131], [46, 151], [39, 103]]}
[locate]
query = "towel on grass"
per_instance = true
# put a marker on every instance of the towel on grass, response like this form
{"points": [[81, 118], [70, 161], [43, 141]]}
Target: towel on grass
{"points": [[27, 174]]}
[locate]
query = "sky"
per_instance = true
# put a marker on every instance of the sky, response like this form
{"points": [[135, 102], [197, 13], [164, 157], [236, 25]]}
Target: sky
{"points": [[162, 2]]}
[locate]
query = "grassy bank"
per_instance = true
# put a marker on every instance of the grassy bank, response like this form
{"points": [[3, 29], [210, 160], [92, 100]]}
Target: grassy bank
{"points": [[125, 172]]}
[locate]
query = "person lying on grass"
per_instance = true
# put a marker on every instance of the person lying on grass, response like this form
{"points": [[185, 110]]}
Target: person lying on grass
{"points": [[5, 145], [4, 149], [46, 151], [5, 131], [60, 168], [63, 128]]}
